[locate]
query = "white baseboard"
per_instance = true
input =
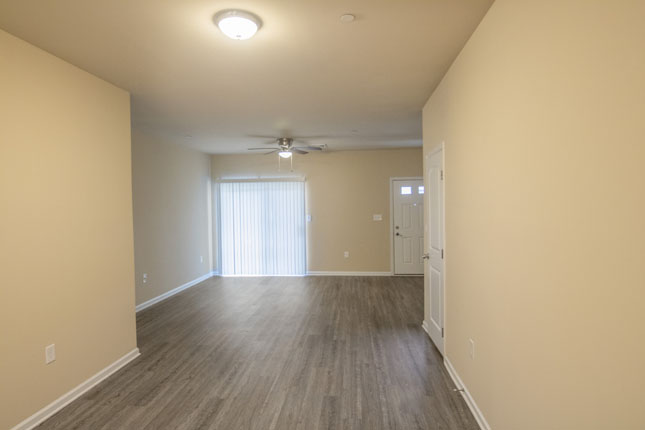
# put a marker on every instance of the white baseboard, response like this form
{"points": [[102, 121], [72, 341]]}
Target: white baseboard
{"points": [[174, 291], [477, 413], [261, 276], [424, 324], [75, 393], [314, 273]]}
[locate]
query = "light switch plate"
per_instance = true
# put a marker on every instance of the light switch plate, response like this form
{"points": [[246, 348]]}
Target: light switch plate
{"points": [[377, 217]]}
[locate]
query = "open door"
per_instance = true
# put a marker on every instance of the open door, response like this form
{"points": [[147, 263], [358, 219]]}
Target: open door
{"points": [[434, 281]]}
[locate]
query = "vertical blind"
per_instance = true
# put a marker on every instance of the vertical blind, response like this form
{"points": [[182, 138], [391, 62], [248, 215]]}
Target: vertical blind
{"points": [[262, 228]]}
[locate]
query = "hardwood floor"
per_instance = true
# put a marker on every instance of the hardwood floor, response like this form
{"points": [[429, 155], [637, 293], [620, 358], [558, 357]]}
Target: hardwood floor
{"points": [[279, 353]]}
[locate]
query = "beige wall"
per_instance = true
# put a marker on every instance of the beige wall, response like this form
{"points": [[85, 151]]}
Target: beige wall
{"points": [[171, 195], [66, 254], [543, 116], [343, 190]]}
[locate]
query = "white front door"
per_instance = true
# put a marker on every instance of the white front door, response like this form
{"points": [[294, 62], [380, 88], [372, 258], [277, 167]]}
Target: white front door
{"points": [[408, 226], [435, 273]]}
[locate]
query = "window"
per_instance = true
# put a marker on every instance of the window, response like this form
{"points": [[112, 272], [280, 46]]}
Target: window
{"points": [[422, 189], [406, 190], [262, 228]]}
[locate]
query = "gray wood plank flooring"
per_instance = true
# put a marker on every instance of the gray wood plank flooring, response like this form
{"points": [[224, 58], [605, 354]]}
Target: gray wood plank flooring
{"points": [[279, 353]]}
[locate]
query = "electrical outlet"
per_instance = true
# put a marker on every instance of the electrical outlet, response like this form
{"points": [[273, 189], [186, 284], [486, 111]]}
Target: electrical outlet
{"points": [[377, 217], [471, 349], [50, 353], [346, 254], [145, 278]]}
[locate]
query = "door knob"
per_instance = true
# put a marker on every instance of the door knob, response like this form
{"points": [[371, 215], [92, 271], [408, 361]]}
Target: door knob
{"points": [[426, 256]]}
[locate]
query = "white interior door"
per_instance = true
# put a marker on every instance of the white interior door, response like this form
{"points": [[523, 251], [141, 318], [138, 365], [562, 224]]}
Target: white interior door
{"points": [[407, 228], [435, 274]]}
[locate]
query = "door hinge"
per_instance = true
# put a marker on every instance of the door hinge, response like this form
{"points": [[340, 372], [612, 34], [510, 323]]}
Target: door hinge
{"points": [[441, 331], [442, 175], [442, 254]]}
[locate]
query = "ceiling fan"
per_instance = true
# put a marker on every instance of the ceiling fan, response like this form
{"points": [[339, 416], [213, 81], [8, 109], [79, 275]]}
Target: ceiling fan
{"points": [[286, 148]]}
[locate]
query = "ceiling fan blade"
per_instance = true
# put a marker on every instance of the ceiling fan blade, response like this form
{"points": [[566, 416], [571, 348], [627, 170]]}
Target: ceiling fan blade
{"points": [[310, 148], [272, 152], [311, 137], [259, 149], [261, 136], [299, 151]]}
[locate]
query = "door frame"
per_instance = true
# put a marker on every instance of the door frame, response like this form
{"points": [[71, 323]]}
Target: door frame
{"points": [[441, 147], [392, 179]]}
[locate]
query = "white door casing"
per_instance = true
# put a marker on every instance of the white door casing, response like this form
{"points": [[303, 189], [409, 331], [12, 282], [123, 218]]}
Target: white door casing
{"points": [[407, 226], [435, 270]]}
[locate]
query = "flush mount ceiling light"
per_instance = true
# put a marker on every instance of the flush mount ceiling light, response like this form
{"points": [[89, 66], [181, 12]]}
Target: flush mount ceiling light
{"points": [[285, 154], [237, 24]]}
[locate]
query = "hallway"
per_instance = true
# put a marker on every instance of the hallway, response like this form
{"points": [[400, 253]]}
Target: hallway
{"points": [[279, 353]]}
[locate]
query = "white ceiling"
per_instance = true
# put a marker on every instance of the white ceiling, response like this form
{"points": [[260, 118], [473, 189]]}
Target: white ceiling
{"points": [[362, 84]]}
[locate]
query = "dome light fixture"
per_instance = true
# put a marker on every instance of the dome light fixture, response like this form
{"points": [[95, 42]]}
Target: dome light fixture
{"points": [[285, 154], [237, 24]]}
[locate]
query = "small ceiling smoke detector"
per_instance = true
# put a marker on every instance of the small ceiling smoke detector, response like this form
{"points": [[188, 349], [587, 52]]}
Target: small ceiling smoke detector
{"points": [[237, 24], [348, 17]]}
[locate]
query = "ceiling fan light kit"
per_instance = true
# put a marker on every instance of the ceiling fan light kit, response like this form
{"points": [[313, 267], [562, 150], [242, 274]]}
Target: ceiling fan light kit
{"points": [[286, 149], [285, 154]]}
